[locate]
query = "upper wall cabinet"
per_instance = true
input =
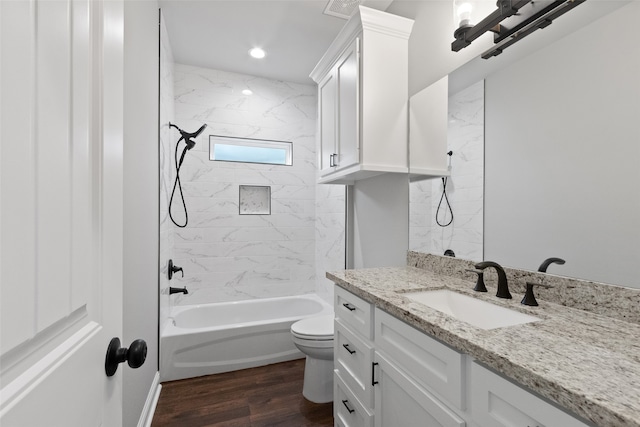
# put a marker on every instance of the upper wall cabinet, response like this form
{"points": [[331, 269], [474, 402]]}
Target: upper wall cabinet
{"points": [[428, 131], [362, 95]]}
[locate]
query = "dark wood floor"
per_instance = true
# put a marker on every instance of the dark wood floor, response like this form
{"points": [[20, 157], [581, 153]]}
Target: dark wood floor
{"points": [[266, 396]]}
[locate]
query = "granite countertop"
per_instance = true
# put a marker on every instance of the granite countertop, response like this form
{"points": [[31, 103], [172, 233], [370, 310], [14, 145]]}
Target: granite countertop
{"points": [[585, 362]]}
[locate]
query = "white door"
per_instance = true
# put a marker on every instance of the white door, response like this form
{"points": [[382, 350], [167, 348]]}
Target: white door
{"points": [[60, 211]]}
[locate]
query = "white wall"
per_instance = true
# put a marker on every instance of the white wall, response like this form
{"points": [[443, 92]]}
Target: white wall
{"points": [[227, 256], [381, 221], [140, 199], [430, 55], [562, 150]]}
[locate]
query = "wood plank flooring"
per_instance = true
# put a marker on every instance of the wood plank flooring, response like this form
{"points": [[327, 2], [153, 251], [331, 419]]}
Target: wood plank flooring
{"points": [[265, 396]]}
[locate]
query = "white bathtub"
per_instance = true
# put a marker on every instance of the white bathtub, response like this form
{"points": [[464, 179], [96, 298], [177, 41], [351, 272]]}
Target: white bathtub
{"points": [[212, 338]]}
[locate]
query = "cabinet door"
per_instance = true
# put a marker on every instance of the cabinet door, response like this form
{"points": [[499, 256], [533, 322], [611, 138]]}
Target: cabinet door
{"points": [[348, 76], [348, 411], [353, 357], [399, 401], [436, 366], [327, 107], [496, 402]]}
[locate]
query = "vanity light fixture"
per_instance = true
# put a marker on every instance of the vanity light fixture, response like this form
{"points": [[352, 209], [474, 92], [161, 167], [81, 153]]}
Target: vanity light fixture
{"points": [[512, 21], [257, 53]]}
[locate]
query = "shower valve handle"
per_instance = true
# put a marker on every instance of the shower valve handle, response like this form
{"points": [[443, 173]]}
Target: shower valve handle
{"points": [[174, 269]]}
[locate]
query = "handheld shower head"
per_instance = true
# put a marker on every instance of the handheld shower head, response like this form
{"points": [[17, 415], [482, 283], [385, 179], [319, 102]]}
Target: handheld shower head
{"points": [[190, 143], [188, 137]]}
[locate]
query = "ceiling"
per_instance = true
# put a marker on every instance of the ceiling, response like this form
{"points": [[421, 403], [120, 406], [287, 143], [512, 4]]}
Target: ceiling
{"points": [[218, 34]]}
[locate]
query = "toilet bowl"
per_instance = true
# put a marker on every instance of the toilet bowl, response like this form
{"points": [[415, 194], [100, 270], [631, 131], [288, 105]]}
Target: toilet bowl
{"points": [[314, 337]]}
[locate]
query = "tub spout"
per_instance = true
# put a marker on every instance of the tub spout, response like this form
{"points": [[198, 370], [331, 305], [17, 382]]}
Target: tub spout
{"points": [[178, 290]]}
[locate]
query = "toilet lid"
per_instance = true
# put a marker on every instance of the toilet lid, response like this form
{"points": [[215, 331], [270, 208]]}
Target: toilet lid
{"points": [[314, 328]]}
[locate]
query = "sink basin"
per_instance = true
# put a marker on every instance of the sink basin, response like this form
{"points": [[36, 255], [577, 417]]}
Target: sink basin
{"points": [[478, 313]]}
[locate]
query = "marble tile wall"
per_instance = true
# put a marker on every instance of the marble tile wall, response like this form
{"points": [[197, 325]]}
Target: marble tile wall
{"points": [[464, 186], [165, 169], [330, 236], [227, 256]]}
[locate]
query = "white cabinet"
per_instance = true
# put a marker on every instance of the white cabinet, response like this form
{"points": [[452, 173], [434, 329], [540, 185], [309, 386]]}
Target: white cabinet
{"points": [[362, 98], [400, 401], [347, 409], [435, 366], [387, 373], [353, 359], [327, 122], [428, 127], [500, 403]]}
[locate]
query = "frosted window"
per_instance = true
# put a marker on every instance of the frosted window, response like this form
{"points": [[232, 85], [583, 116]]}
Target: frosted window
{"points": [[229, 149]]}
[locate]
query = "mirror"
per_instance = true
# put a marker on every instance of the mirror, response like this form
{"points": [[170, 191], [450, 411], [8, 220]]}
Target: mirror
{"points": [[453, 220], [561, 149]]}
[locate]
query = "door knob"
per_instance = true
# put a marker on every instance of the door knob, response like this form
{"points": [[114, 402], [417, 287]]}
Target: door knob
{"points": [[135, 355]]}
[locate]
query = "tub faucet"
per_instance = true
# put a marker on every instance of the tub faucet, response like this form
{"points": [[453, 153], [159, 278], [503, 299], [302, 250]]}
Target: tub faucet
{"points": [[178, 290], [503, 288], [547, 262]]}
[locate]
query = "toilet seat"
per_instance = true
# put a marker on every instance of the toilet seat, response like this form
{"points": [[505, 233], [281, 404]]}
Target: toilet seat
{"points": [[318, 328]]}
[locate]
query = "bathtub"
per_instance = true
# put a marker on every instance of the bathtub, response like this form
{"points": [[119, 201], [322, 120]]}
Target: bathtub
{"points": [[221, 337]]}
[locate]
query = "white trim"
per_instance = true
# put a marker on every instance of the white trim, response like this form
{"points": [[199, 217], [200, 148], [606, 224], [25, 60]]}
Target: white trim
{"points": [[146, 417]]}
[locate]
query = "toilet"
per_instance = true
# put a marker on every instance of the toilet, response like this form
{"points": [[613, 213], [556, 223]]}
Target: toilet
{"points": [[314, 337]]}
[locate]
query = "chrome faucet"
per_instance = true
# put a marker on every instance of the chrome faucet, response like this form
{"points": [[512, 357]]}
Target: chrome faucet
{"points": [[178, 290], [503, 288]]}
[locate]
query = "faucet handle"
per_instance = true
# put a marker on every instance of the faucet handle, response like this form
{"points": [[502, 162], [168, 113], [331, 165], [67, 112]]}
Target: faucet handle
{"points": [[529, 297], [173, 269], [480, 286]]}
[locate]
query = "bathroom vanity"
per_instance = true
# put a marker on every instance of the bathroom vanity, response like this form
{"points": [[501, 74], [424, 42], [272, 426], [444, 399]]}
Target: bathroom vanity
{"points": [[398, 361]]}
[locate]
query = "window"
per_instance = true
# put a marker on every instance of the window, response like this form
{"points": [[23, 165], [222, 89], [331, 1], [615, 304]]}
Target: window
{"points": [[247, 150]]}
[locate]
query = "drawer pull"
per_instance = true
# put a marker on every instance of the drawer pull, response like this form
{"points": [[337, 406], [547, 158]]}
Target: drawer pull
{"points": [[351, 411], [373, 373], [346, 347], [349, 306]]}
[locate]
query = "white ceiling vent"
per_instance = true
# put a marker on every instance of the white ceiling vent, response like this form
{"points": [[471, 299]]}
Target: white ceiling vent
{"points": [[342, 8]]}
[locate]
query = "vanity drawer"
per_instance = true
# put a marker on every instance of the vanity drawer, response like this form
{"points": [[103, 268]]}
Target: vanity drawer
{"points": [[353, 357], [354, 312], [497, 402], [435, 365], [347, 409]]}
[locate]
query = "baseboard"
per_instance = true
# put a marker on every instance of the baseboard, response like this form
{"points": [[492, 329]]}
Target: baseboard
{"points": [[150, 404]]}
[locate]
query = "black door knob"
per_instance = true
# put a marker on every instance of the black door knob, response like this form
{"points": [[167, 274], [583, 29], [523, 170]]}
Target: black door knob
{"points": [[135, 355]]}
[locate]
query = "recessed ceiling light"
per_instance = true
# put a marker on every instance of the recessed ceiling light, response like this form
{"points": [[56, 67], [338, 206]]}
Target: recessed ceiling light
{"points": [[247, 92], [258, 53]]}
